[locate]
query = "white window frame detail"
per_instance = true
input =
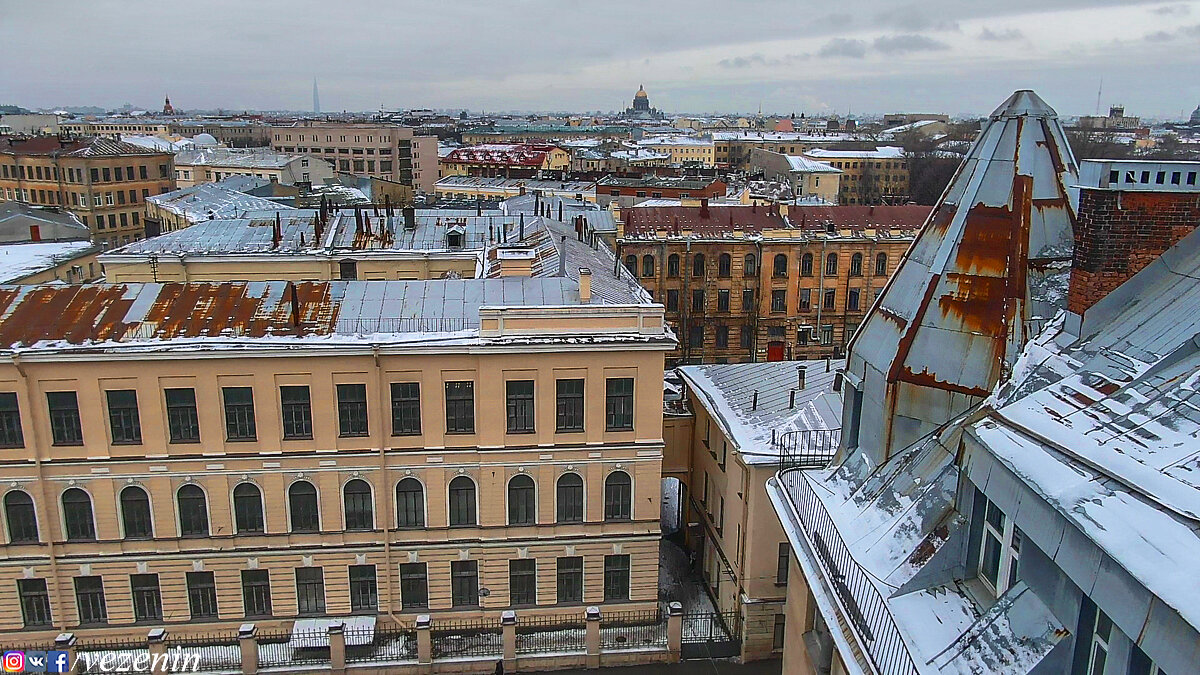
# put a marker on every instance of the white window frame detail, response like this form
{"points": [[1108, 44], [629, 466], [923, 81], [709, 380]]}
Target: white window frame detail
{"points": [[1009, 538], [1099, 643]]}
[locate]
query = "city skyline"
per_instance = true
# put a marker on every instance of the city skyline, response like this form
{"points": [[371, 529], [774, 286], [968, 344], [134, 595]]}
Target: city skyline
{"points": [[936, 56]]}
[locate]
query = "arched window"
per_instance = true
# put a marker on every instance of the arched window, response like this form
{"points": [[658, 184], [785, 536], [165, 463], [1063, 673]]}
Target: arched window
{"points": [[21, 517], [410, 504], [248, 508], [193, 511], [462, 502], [880, 264], [618, 496], [570, 498], [831, 265], [302, 500], [631, 264], [724, 265], [356, 502], [77, 515], [750, 266], [780, 265], [806, 265], [698, 265], [673, 265], [856, 265], [135, 513], [647, 265], [522, 504]]}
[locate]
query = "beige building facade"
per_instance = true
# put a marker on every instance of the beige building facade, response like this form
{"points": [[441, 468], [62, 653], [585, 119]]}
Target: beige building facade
{"points": [[326, 474], [383, 150]]}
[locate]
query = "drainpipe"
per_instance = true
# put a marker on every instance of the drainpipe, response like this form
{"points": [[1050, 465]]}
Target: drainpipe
{"points": [[41, 479], [388, 498], [757, 302], [742, 544], [820, 270]]}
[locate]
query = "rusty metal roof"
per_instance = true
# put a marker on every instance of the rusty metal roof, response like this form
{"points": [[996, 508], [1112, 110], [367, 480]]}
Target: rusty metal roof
{"points": [[991, 258], [642, 222]]}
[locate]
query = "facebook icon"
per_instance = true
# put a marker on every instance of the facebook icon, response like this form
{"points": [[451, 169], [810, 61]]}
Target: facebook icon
{"points": [[58, 662]]}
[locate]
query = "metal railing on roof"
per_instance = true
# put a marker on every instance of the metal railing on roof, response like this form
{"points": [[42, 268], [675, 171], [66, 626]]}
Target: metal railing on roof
{"points": [[806, 448], [861, 603]]}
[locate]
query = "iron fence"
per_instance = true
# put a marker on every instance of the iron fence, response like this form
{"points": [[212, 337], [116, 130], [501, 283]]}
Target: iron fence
{"points": [[380, 644], [108, 654], [210, 652], [553, 634], [285, 648], [459, 638], [633, 630], [807, 448], [700, 627], [862, 603]]}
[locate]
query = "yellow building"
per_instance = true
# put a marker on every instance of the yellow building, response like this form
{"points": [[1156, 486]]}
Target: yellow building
{"points": [[275, 451], [491, 189], [379, 150], [878, 176], [686, 151], [507, 160], [208, 165]]}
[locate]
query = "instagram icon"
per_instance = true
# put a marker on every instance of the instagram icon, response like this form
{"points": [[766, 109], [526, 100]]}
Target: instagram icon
{"points": [[14, 662]]}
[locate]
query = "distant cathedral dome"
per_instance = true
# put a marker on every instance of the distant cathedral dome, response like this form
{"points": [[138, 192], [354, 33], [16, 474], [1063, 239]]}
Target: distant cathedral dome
{"points": [[641, 93], [641, 109], [1196, 115]]}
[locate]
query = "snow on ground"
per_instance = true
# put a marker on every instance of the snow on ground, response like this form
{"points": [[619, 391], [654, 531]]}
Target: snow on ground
{"points": [[678, 582]]}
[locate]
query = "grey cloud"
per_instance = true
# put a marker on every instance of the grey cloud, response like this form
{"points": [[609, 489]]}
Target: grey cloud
{"points": [[855, 49], [1169, 35], [914, 18], [762, 61], [909, 42], [1172, 10], [1001, 35]]}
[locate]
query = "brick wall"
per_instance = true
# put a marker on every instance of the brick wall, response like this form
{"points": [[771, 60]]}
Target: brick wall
{"points": [[1119, 233]]}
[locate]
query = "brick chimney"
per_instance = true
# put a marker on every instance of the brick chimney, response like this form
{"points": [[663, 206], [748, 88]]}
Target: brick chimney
{"points": [[585, 285], [1119, 232]]}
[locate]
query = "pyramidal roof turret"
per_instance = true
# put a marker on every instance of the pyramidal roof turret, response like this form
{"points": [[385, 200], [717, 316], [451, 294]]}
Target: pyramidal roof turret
{"points": [[989, 266]]}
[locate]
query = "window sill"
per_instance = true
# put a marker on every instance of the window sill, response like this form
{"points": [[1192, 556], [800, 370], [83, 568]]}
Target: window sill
{"points": [[297, 438], [362, 435], [72, 444], [137, 442], [241, 440], [406, 434], [522, 432], [190, 441], [568, 431]]}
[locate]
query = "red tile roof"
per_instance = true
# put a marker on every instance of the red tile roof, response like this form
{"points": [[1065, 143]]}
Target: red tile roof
{"points": [[500, 154], [907, 217], [699, 219]]}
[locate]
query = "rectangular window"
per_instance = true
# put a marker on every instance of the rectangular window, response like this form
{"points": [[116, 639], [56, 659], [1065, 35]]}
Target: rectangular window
{"points": [[182, 421], [779, 634], [568, 405], [256, 593], [779, 300], [352, 409], [723, 300], [123, 416], [672, 300], [239, 413], [805, 299], [364, 593], [747, 299], [10, 421], [829, 299], [460, 407], [781, 566], [852, 300], [519, 406], [698, 300], [1000, 546], [406, 408], [147, 601], [202, 594], [414, 586], [1098, 649], [464, 583], [310, 590], [722, 337], [747, 336], [296, 405], [827, 334], [618, 404], [570, 579], [35, 602], [89, 598], [616, 577], [522, 582], [64, 418]]}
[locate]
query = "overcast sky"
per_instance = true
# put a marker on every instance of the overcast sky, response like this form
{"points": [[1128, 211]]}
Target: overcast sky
{"points": [[953, 56]]}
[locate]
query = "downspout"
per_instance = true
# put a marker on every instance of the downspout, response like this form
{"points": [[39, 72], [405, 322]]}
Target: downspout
{"points": [[757, 309], [387, 498], [41, 479], [743, 538], [820, 265]]}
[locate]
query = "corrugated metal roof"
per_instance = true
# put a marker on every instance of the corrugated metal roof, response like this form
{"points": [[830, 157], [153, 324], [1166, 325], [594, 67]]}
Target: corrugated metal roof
{"points": [[700, 220]]}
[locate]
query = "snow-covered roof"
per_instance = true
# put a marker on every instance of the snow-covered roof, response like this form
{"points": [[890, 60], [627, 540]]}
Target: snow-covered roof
{"points": [[911, 126], [230, 157], [880, 152], [21, 260], [728, 392], [509, 184], [161, 144], [805, 165], [199, 202], [665, 141]]}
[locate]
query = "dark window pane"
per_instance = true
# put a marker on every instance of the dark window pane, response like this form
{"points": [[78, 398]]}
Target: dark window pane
{"points": [[256, 593], [616, 577], [202, 594], [570, 498], [406, 408], [182, 420], [410, 504], [10, 421], [77, 513], [414, 586], [35, 602], [89, 597], [64, 418], [519, 400], [522, 582], [147, 602], [302, 500], [464, 583], [570, 579], [296, 404], [123, 416], [460, 407], [247, 508], [135, 513], [462, 501], [193, 511], [522, 506], [569, 405], [239, 413], [352, 409], [310, 590], [21, 517], [619, 404], [618, 496], [360, 513], [364, 595]]}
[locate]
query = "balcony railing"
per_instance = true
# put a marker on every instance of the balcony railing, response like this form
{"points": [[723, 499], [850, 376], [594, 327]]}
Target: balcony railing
{"points": [[807, 448], [861, 603]]}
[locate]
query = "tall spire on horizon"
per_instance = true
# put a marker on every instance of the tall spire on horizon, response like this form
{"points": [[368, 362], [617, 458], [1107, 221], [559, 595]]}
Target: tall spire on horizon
{"points": [[316, 97]]}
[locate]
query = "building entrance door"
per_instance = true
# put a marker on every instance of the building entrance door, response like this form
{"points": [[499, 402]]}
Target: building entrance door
{"points": [[774, 351]]}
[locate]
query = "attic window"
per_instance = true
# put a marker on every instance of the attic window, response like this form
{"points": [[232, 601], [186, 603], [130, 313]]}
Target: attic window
{"points": [[454, 239]]}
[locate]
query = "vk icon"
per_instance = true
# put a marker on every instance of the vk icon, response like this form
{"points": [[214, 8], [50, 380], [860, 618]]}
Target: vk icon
{"points": [[36, 662], [58, 662]]}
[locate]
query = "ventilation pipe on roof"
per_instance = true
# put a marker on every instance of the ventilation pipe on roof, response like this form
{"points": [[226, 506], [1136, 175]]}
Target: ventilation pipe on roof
{"points": [[560, 210], [754, 403], [827, 364], [800, 371], [387, 205], [479, 206], [837, 380], [792, 400], [410, 218], [585, 285], [562, 256], [295, 300], [704, 207], [522, 237], [276, 232]]}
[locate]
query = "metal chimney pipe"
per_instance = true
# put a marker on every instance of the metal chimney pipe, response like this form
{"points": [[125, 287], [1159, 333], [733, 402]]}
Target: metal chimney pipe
{"points": [[754, 405], [827, 364], [800, 371], [792, 400]]}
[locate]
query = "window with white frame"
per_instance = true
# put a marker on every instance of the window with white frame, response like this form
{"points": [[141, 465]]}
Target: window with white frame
{"points": [[1000, 549], [1098, 650]]}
